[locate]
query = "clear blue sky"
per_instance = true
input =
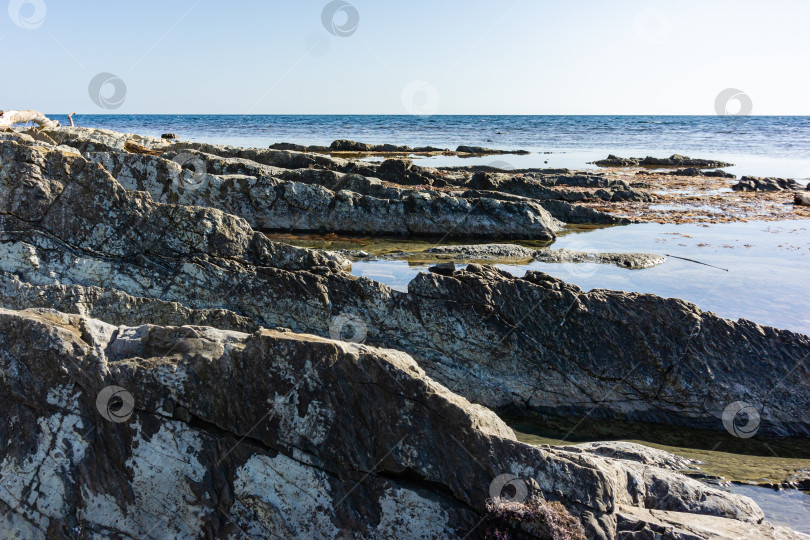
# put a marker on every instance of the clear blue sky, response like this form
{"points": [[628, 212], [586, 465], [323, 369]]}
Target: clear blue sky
{"points": [[506, 57]]}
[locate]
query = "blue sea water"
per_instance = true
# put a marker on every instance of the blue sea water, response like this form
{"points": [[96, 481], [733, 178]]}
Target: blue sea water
{"points": [[759, 145]]}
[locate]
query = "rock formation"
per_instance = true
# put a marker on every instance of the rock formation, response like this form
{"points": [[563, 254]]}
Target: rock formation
{"points": [[755, 183], [231, 435], [188, 376], [674, 160]]}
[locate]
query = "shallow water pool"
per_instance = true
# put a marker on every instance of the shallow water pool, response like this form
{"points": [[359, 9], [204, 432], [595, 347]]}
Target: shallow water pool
{"points": [[759, 270]]}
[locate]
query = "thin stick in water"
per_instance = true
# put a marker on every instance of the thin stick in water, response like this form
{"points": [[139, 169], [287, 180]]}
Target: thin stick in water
{"points": [[694, 261]]}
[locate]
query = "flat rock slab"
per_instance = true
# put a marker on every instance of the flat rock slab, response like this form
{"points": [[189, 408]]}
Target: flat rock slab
{"points": [[483, 252], [674, 160], [755, 183], [624, 260]]}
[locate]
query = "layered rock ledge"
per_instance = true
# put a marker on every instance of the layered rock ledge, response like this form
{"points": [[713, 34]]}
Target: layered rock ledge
{"points": [[531, 344]]}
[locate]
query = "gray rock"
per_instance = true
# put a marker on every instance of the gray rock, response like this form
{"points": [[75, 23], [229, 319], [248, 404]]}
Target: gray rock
{"points": [[539, 188], [719, 174], [288, 146], [483, 252], [634, 452], [480, 150], [344, 145], [625, 260], [638, 524], [674, 160], [755, 183], [66, 222], [801, 198], [268, 201]]}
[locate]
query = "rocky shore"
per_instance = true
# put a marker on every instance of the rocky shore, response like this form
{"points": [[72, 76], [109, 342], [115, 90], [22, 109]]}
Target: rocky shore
{"points": [[192, 377]]}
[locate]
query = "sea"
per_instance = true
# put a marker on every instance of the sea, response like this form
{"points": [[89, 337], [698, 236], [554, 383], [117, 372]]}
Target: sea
{"points": [[756, 145]]}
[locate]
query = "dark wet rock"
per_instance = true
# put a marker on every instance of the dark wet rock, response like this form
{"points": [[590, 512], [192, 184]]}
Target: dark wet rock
{"points": [[691, 171], [276, 199], [270, 167], [391, 148], [480, 150], [444, 269], [755, 183], [344, 145], [580, 180], [540, 188], [403, 172], [289, 146], [624, 260], [719, 174], [616, 161], [168, 136], [353, 440], [561, 210], [674, 160]]}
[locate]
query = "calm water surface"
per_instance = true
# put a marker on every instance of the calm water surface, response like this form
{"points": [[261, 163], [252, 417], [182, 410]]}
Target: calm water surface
{"points": [[760, 145], [767, 263]]}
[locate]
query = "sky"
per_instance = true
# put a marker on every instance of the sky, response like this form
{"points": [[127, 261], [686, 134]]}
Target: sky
{"points": [[398, 57]]}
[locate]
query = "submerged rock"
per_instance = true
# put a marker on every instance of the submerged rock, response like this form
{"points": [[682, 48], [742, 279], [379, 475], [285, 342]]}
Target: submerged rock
{"points": [[481, 252], [625, 260]]}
